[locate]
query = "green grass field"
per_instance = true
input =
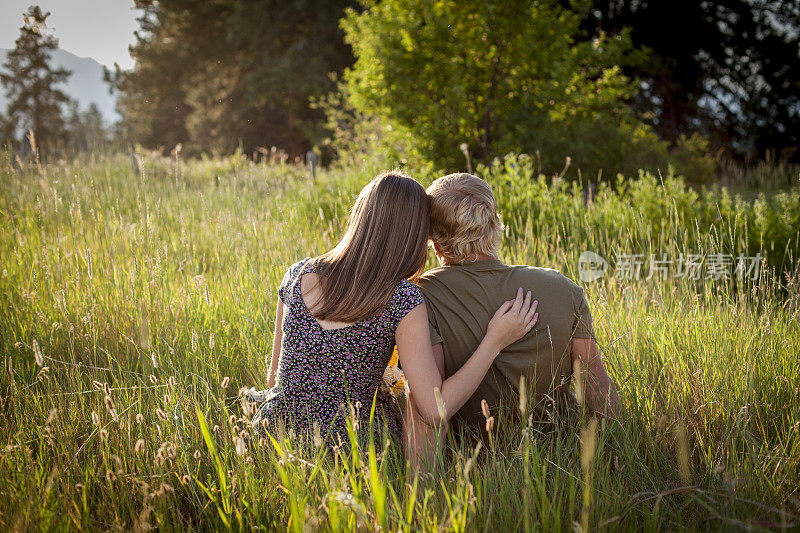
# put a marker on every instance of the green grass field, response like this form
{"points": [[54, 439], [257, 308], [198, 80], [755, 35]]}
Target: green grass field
{"points": [[135, 306]]}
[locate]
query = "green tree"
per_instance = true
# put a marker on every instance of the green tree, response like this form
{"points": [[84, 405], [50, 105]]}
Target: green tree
{"points": [[500, 76], [34, 100], [223, 74], [732, 75], [87, 130]]}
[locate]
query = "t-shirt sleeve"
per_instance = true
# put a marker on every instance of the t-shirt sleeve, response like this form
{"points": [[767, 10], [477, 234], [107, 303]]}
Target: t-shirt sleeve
{"points": [[436, 338], [407, 296], [289, 279], [582, 327]]}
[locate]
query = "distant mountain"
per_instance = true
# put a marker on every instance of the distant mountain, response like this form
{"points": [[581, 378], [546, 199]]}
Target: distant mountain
{"points": [[86, 84]]}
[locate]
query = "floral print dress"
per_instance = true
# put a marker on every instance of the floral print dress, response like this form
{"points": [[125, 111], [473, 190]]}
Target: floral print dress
{"points": [[325, 375]]}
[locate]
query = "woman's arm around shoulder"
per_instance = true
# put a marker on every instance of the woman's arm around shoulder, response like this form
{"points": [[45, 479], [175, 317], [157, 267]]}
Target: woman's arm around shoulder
{"points": [[510, 323]]}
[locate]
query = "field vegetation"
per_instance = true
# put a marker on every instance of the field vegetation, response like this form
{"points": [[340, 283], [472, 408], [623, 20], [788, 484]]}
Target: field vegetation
{"points": [[138, 300]]}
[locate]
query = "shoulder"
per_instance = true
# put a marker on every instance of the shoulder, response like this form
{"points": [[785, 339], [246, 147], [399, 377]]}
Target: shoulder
{"points": [[438, 277], [290, 278], [552, 279], [406, 297], [407, 291], [547, 275]]}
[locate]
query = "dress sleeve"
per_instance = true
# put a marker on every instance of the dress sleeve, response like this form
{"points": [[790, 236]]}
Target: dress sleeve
{"points": [[289, 279], [406, 297]]}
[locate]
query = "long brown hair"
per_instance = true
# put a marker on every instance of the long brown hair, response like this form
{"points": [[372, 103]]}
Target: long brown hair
{"points": [[385, 241]]}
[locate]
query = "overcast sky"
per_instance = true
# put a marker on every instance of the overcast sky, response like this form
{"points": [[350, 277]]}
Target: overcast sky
{"points": [[100, 29]]}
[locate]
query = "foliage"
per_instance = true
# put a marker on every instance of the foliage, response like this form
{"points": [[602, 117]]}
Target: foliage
{"points": [[651, 214], [133, 307], [501, 77], [732, 75], [87, 130], [34, 100], [225, 75]]}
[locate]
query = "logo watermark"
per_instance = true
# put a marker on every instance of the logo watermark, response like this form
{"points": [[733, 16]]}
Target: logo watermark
{"points": [[716, 267]]}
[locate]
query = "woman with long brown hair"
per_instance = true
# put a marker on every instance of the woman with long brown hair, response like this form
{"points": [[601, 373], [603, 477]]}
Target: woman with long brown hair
{"points": [[340, 314]]}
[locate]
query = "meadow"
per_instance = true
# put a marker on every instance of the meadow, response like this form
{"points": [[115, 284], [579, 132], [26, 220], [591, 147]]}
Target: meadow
{"points": [[138, 300]]}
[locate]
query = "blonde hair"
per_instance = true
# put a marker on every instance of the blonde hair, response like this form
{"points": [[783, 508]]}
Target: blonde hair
{"points": [[464, 219], [385, 241]]}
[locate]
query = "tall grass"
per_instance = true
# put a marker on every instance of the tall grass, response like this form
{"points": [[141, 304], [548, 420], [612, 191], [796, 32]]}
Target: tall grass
{"points": [[137, 302]]}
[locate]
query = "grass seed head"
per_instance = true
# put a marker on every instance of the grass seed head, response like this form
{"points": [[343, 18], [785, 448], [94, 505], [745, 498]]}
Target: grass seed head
{"points": [[37, 354], [485, 409], [241, 448]]}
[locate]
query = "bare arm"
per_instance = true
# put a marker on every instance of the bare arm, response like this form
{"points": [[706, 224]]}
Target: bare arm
{"points": [[511, 322], [276, 346], [598, 390]]}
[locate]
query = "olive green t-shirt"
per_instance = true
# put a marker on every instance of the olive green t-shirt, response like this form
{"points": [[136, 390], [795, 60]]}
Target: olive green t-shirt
{"points": [[462, 299]]}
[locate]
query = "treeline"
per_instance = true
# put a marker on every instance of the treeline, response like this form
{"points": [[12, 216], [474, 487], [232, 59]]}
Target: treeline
{"points": [[40, 118], [225, 74], [581, 85]]}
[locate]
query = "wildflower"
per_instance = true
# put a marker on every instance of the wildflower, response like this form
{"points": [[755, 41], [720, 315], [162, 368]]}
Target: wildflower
{"points": [[139, 446], [225, 382], [37, 354]]}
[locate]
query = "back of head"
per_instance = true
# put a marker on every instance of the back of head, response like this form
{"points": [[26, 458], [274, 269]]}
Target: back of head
{"points": [[385, 241], [464, 219]]}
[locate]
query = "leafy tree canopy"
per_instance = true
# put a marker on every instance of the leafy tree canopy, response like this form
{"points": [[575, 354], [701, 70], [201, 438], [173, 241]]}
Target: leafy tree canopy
{"points": [[223, 74], [500, 76], [729, 69]]}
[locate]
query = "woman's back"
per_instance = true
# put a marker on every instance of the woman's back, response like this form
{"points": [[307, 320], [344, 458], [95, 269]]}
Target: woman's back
{"points": [[322, 371]]}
